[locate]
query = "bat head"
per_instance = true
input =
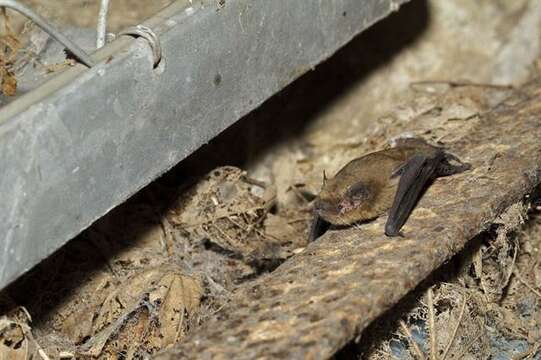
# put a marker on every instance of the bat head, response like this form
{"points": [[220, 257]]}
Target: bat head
{"points": [[343, 200]]}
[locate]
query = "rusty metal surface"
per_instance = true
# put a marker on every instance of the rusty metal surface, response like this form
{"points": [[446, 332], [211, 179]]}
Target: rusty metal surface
{"points": [[320, 299]]}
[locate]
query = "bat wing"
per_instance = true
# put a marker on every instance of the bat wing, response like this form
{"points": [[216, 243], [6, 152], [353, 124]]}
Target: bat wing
{"points": [[415, 174], [318, 227]]}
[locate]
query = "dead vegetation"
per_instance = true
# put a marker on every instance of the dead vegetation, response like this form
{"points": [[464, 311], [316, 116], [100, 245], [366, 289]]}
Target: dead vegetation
{"points": [[235, 214], [21, 45], [143, 277], [484, 304], [156, 268], [143, 280], [9, 49]]}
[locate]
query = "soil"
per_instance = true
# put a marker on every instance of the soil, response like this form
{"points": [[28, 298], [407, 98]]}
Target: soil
{"points": [[158, 266], [83, 13]]}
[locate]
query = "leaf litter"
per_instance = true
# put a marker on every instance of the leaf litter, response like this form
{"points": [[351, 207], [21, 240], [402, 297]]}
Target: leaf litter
{"points": [[144, 276], [135, 293]]}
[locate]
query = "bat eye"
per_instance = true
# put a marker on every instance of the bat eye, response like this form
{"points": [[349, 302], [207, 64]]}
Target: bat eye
{"points": [[357, 192], [324, 206]]}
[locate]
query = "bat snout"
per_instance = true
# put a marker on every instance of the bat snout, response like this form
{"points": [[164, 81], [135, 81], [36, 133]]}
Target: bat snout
{"points": [[349, 204]]}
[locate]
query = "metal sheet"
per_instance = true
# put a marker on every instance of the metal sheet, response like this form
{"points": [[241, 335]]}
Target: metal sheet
{"points": [[88, 139]]}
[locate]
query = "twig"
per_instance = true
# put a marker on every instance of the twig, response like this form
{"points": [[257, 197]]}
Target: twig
{"points": [[387, 354], [245, 231], [179, 326], [223, 233], [293, 221], [219, 288], [453, 336], [102, 24], [521, 279], [222, 216], [27, 332], [298, 194], [432, 331], [467, 347], [461, 84], [66, 355], [528, 353], [43, 355], [7, 27], [168, 241], [513, 263], [412, 342], [255, 182]]}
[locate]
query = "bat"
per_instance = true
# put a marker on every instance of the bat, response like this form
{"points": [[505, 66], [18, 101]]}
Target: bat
{"points": [[393, 178]]}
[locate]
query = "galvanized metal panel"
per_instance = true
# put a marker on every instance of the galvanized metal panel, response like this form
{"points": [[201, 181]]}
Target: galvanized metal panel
{"points": [[88, 139]]}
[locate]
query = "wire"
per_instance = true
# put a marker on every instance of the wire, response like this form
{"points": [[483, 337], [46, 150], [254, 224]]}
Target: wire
{"points": [[79, 53], [102, 24]]}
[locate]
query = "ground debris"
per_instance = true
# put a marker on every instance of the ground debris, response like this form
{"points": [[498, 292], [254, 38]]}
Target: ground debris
{"points": [[473, 320], [17, 341], [235, 215], [111, 291], [150, 310], [9, 53], [338, 284]]}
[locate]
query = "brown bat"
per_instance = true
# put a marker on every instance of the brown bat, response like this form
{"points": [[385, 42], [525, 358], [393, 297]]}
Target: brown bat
{"points": [[368, 186]]}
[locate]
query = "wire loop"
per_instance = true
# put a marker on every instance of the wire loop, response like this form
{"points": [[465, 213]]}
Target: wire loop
{"points": [[149, 35]]}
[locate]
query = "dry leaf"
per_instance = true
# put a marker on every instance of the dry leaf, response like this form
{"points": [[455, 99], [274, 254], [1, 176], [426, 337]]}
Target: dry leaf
{"points": [[180, 295], [9, 83], [16, 339], [9, 48], [147, 312], [13, 343]]}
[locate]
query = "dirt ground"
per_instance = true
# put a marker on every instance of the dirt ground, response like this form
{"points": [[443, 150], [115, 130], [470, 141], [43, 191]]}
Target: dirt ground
{"points": [[157, 267], [83, 13]]}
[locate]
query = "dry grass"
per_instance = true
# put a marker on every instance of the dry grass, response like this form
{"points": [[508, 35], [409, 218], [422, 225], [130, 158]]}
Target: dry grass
{"points": [[220, 237], [462, 316]]}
